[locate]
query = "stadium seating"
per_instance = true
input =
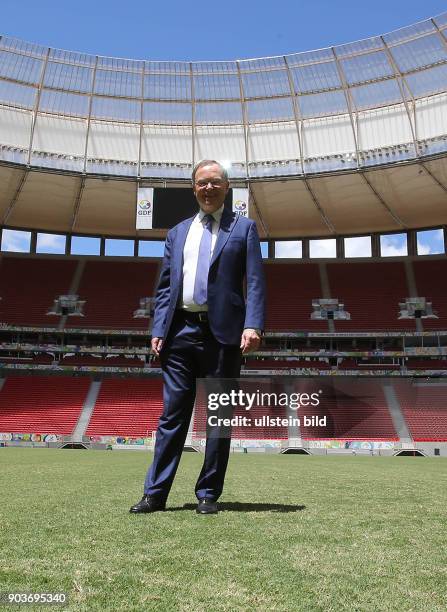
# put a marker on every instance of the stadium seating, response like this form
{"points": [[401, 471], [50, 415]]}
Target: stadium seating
{"points": [[430, 282], [255, 430], [42, 404], [290, 290], [102, 361], [28, 287], [426, 364], [269, 364], [127, 407], [131, 407], [347, 363], [424, 407], [371, 293], [360, 412], [112, 290]]}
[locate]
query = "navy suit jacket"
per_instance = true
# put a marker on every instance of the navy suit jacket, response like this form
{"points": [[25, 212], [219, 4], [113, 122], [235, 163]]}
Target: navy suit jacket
{"points": [[236, 257]]}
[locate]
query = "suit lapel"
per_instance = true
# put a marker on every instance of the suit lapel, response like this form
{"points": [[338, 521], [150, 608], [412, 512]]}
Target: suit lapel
{"points": [[227, 223]]}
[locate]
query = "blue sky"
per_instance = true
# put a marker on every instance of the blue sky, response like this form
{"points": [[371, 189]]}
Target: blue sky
{"points": [[232, 30], [429, 242], [194, 31]]}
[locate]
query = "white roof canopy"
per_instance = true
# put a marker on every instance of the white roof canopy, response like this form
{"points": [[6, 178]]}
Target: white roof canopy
{"points": [[341, 126]]}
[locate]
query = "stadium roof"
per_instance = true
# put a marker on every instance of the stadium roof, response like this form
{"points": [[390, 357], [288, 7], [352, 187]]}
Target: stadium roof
{"points": [[341, 140]]}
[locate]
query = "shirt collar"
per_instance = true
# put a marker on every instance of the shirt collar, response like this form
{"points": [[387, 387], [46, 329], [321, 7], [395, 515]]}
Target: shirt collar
{"points": [[217, 214]]}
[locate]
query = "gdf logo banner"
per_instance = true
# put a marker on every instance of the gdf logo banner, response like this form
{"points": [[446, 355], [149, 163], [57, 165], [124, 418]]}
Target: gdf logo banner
{"points": [[145, 207], [240, 201]]}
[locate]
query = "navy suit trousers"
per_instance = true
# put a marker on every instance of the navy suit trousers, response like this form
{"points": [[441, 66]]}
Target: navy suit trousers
{"points": [[190, 351]]}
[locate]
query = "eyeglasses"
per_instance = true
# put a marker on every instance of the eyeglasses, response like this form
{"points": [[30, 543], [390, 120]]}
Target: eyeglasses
{"points": [[214, 183]]}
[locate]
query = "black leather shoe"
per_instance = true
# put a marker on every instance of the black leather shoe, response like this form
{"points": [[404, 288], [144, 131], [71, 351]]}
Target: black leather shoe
{"points": [[148, 503], [207, 506]]}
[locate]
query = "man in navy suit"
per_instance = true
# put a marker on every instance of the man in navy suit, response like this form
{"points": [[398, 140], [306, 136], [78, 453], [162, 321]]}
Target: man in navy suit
{"points": [[202, 326]]}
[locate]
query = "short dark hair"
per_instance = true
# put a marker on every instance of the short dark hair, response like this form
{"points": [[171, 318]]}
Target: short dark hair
{"points": [[208, 162]]}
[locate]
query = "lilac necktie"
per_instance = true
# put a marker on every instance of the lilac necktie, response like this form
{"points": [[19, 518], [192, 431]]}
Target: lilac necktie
{"points": [[203, 263]]}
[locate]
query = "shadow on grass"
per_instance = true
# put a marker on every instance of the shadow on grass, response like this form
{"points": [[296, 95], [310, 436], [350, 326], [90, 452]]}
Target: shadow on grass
{"points": [[245, 507]]}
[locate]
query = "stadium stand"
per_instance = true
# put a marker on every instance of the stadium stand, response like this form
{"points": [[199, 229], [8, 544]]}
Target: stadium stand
{"points": [[28, 287], [112, 291], [102, 361], [42, 404], [127, 407], [426, 364], [378, 365], [290, 290], [424, 407], [430, 282], [363, 416], [256, 430], [270, 364], [371, 293]]}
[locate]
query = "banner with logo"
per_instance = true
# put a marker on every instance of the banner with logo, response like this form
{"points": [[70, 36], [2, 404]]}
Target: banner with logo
{"points": [[240, 201], [145, 206]]}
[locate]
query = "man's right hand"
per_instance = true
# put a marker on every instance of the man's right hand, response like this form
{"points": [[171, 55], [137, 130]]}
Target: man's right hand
{"points": [[156, 344]]}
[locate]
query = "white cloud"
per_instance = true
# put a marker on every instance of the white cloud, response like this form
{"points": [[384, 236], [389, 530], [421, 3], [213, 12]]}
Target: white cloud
{"points": [[323, 248], [50, 241], [16, 241], [394, 245], [424, 249], [288, 248], [358, 246], [430, 242]]}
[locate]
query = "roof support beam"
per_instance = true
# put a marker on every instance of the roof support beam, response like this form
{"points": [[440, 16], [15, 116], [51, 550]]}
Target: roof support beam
{"points": [[89, 116], [77, 203], [15, 197], [193, 117], [400, 80], [36, 106], [375, 245], [387, 207], [325, 218], [299, 130], [349, 104], [297, 115], [258, 210], [439, 32], [278, 96], [140, 139], [244, 119], [432, 176]]}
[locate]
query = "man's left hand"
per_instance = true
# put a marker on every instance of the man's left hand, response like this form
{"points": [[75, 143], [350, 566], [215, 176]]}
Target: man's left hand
{"points": [[250, 341]]}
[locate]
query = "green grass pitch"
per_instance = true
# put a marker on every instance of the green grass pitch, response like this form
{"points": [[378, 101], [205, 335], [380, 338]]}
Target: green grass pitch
{"points": [[295, 533]]}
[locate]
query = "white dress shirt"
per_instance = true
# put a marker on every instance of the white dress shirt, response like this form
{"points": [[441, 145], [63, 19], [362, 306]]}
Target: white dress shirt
{"points": [[191, 255]]}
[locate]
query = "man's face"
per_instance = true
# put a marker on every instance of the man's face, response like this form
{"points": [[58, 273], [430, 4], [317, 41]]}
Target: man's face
{"points": [[210, 188]]}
